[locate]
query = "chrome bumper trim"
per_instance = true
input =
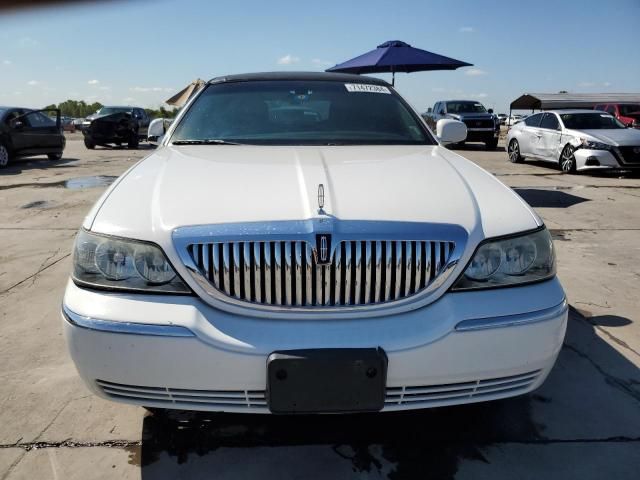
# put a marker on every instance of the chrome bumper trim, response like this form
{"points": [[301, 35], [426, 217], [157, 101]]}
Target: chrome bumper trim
{"points": [[125, 327], [513, 320]]}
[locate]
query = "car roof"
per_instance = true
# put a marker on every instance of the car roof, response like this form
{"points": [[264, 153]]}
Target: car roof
{"points": [[305, 76], [459, 100], [575, 110]]}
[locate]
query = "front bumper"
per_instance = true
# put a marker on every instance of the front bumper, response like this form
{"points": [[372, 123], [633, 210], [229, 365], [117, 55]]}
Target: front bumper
{"points": [[587, 159], [177, 352]]}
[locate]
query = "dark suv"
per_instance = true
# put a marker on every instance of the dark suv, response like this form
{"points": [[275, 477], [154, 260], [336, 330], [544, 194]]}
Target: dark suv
{"points": [[116, 125]]}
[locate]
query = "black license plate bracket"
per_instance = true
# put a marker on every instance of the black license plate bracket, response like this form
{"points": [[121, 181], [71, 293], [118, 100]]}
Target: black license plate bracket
{"points": [[327, 380]]}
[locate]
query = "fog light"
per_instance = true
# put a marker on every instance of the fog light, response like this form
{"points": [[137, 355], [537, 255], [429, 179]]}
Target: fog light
{"points": [[592, 162]]}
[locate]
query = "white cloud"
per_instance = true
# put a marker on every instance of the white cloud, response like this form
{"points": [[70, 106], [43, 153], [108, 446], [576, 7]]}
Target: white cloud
{"points": [[438, 89], [33, 83], [93, 82], [288, 60], [148, 89], [128, 99], [586, 84], [474, 72], [322, 63], [467, 29], [104, 88], [606, 84], [6, 62], [28, 42], [478, 95]]}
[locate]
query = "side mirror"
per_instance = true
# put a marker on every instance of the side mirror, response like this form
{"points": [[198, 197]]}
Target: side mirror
{"points": [[451, 131], [490, 110], [17, 124], [429, 110], [441, 112]]}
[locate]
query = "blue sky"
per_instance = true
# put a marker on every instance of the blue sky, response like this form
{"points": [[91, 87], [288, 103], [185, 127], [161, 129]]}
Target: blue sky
{"points": [[140, 52]]}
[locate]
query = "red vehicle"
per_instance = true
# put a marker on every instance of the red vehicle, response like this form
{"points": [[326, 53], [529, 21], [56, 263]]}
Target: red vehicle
{"points": [[627, 113]]}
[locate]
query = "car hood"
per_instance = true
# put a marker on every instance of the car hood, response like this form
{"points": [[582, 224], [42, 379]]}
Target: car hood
{"points": [[616, 137], [198, 185], [108, 117]]}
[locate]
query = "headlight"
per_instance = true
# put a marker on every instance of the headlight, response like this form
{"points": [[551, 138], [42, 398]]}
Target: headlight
{"points": [[510, 261], [120, 264], [593, 145]]}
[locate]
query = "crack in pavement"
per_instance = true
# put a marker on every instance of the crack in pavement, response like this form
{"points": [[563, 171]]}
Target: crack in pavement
{"points": [[38, 229], [34, 278], [619, 384], [28, 446], [35, 274]]}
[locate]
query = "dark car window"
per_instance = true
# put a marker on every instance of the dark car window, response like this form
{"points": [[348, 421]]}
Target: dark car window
{"points": [[288, 112], [611, 109], [549, 121], [38, 120], [533, 120], [465, 107], [628, 108], [590, 121], [112, 110]]}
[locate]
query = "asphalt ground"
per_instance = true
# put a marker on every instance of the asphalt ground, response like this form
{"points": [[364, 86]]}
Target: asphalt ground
{"points": [[584, 422]]}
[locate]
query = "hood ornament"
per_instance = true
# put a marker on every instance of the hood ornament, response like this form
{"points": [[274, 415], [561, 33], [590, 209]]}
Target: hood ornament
{"points": [[321, 199]]}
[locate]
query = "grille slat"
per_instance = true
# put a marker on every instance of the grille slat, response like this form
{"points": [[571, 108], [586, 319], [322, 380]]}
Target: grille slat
{"points": [[285, 273]]}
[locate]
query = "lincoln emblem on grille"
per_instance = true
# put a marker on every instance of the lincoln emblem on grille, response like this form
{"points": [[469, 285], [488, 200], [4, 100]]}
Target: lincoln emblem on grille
{"points": [[320, 198], [323, 249]]}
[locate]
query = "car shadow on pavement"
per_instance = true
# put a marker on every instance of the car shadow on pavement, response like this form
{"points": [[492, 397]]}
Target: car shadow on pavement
{"points": [[477, 147], [20, 165], [549, 197], [592, 394]]}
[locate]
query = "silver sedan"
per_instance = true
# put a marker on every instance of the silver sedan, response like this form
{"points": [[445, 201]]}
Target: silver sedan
{"points": [[575, 140]]}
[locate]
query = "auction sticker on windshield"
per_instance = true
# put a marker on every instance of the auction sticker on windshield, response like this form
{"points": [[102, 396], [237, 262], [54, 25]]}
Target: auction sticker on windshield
{"points": [[363, 88]]}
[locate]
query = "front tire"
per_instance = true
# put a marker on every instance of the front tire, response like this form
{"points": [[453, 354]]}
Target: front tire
{"points": [[568, 160], [134, 141], [491, 144], [514, 152], [89, 143], [4, 156]]}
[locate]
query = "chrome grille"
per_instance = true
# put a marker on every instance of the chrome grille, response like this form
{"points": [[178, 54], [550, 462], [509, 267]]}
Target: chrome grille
{"points": [[285, 273]]}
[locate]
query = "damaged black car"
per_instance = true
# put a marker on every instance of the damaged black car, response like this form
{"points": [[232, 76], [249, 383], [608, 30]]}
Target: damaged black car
{"points": [[116, 126]]}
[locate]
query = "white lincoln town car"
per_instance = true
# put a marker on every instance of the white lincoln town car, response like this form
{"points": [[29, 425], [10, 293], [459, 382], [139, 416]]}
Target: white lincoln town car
{"points": [[303, 243]]}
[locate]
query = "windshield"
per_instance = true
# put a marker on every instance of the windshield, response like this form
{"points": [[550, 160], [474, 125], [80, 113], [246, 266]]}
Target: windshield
{"points": [[281, 112], [590, 121], [465, 107], [629, 108], [111, 110]]}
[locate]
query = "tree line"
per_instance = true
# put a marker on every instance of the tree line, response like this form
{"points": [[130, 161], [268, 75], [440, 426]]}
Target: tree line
{"points": [[81, 109]]}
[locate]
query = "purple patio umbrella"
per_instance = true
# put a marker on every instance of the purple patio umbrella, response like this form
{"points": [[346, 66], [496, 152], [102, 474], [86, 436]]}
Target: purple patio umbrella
{"points": [[396, 56]]}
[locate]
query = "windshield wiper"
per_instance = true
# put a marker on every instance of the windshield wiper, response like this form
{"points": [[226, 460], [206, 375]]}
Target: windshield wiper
{"points": [[207, 141]]}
